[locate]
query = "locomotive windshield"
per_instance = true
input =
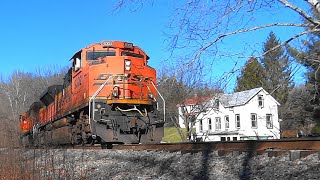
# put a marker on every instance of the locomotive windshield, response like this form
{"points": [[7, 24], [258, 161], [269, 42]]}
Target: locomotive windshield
{"points": [[94, 55], [124, 53]]}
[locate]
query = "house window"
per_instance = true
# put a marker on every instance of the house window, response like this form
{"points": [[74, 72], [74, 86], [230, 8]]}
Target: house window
{"points": [[254, 123], [234, 138], [269, 121], [218, 123], [197, 108], [237, 120], [223, 138], [228, 138], [260, 100], [226, 119], [210, 123], [217, 103], [201, 127]]}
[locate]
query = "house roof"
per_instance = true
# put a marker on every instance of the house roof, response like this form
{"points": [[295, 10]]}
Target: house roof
{"points": [[194, 101], [240, 98], [229, 100]]}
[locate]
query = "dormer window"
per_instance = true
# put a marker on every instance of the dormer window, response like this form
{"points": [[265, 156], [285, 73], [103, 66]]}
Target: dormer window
{"points": [[260, 100], [216, 103]]}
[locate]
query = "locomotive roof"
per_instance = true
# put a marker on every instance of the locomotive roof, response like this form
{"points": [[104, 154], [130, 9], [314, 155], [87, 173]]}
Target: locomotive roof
{"points": [[102, 43]]}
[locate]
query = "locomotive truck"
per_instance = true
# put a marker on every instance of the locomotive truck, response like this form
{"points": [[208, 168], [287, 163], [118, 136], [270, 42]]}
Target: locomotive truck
{"points": [[109, 95]]}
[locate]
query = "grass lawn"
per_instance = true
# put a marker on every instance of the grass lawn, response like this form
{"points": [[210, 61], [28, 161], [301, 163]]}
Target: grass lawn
{"points": [[171, 134]]}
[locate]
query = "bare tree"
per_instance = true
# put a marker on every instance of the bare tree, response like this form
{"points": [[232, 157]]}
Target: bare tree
{"points": [[23, 88], [216, 36], [192, 110], [19, 90], [207, 30], [177, 88], [16, 90]]}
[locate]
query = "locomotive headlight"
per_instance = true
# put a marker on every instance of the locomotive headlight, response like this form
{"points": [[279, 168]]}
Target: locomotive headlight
{"points": [[127, 64], [115, 93]]}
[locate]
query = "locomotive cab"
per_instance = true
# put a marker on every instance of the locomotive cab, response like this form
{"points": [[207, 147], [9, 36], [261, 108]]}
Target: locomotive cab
{"points": [[25, 124], [122, 93]]}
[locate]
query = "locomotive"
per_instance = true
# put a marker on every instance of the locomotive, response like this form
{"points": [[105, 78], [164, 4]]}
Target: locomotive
{"points": [[109, 95]]}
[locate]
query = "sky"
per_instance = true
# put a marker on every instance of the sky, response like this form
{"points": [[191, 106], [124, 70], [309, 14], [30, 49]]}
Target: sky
{"points": [[37, 33]]}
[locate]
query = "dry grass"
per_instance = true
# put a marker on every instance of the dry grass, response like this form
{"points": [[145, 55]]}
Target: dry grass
{"points": [[12, 166], [38, 164], [35, 164]]}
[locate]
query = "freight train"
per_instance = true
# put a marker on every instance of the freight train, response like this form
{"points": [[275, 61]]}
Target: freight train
{"points": [[109, 95]]}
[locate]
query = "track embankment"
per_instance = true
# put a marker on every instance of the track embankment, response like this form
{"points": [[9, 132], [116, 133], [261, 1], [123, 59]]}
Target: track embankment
{"points": [[255, 146]]}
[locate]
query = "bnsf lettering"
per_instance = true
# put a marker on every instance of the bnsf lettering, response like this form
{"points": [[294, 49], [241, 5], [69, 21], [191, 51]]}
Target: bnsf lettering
{"points": [[116, 78], [103, 76], [137, 78], [77, 81]]}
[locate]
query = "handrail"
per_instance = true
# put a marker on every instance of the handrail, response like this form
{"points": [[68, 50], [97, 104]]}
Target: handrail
{"points": [[164, 102], [94, 97]]}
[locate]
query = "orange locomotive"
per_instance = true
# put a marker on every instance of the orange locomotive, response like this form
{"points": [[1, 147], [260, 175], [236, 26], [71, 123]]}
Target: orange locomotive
{"points": [[108, 96]]}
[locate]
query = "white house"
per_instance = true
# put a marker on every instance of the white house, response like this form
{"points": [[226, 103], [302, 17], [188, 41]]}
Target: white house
{"points": [[246, 115], [190, 106]]}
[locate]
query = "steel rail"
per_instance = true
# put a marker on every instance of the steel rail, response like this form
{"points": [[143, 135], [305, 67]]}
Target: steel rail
{"points": [[305, 144], [252, 145]]}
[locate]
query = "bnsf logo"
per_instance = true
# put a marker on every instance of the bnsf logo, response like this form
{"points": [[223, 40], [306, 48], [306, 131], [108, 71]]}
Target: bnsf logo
{"points": [[134, 78]]}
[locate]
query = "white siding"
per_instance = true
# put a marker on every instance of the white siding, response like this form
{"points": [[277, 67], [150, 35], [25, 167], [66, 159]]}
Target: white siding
{"points": [[245, 131]]}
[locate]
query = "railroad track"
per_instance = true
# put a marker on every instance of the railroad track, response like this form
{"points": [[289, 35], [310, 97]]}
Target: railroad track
{"points": [[259, 146]]}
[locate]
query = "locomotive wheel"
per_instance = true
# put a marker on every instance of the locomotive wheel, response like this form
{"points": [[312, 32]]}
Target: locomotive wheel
{"points": [[81, 131]]}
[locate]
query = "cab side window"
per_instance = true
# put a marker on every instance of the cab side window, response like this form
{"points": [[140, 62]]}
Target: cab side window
{"points": [[76, 61], [76, 64]]}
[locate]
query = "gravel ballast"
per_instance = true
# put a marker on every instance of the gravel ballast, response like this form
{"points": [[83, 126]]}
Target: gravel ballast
{"points": [[125, 164]]}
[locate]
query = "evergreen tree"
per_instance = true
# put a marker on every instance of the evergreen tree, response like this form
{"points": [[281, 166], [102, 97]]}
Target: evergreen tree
{"points": [[251, 76], [310, 58], [277, 73], [297, 111]]}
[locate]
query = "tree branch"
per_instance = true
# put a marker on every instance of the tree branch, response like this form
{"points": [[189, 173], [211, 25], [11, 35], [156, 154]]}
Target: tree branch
{"points": [[315, 4], [244, 31], [302, 13], [287, 41]]}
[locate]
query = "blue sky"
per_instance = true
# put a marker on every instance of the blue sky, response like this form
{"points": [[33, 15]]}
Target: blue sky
{"points": [[37, 33]]}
